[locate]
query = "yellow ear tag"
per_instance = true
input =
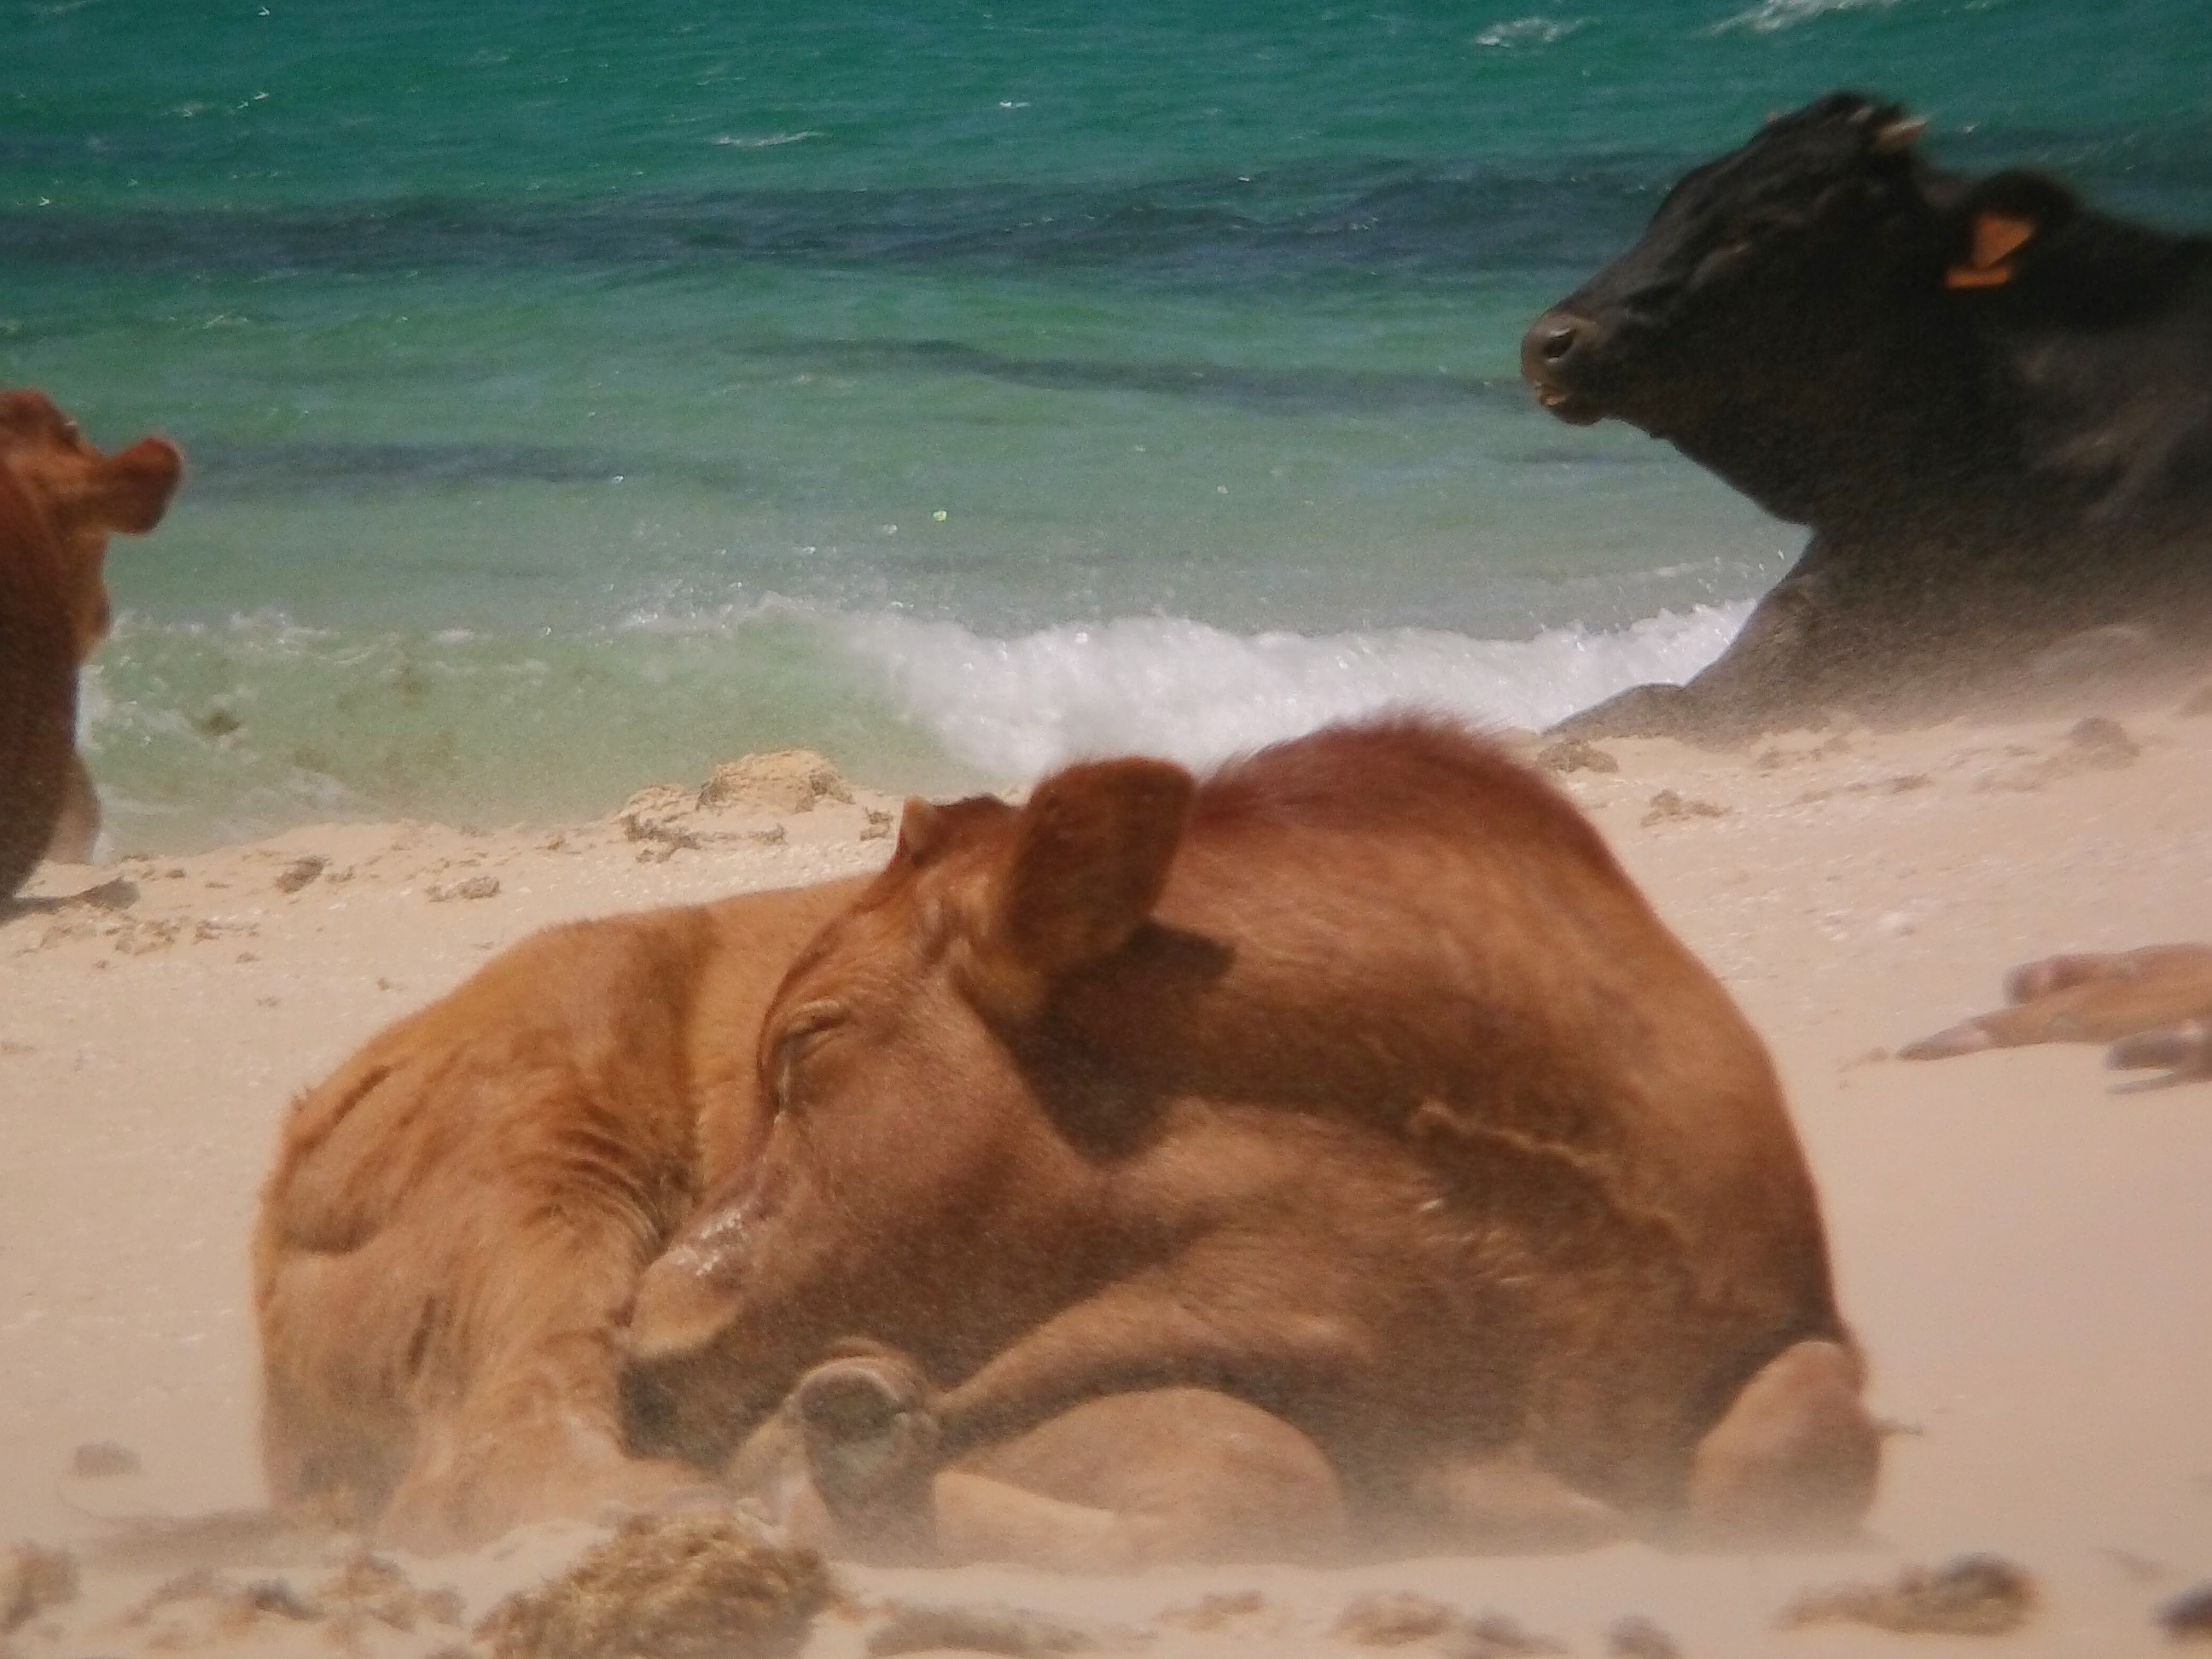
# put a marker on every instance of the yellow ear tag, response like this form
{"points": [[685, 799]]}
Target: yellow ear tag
{"points": [[1997, 237]]}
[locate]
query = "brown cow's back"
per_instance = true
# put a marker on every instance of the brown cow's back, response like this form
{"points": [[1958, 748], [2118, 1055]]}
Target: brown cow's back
{"points": [[1431, 945]]}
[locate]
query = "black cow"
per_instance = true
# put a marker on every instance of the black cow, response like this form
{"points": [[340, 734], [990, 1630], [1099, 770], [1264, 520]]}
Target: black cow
{"points": [[1992, 404]]}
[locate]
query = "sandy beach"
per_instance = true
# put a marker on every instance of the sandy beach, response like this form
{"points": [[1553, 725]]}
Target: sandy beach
{"points": [[2020, 1237]]}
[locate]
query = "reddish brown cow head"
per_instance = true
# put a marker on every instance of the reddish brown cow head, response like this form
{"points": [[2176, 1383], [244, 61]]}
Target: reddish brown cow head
{"points": [[913, 1150], [85, 496]]}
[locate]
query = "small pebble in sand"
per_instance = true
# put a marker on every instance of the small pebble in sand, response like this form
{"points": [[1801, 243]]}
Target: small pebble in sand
{"points": [[475, 887], [677, 1587], [34, 1578], [1493, 1636], [1212, 1612], [1970, 1595], [97, 1459], [1637, 1638], [2103, 743], [1668, 805], [299, 871], [1015, 1632], [2188, 1617]]}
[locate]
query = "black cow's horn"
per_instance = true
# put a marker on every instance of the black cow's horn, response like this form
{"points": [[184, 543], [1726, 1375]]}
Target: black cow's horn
{"points": [[1894, 137]]}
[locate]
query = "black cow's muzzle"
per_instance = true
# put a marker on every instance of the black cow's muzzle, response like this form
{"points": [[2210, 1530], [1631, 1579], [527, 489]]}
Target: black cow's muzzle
{"points": [[1554, 354]]}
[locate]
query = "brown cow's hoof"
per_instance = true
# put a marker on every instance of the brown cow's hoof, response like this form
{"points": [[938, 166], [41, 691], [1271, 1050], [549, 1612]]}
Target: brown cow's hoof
{"points": [[871, 1443], [2184, 1050], [1968, 1037]]}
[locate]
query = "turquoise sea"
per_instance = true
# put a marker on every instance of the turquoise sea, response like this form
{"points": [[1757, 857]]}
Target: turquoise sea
{"points": [[578, 394]]}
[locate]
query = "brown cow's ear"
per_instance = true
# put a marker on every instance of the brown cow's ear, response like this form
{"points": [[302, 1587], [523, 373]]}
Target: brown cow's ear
{"points": [[132, 487], [1088, 862], [921, 827]]}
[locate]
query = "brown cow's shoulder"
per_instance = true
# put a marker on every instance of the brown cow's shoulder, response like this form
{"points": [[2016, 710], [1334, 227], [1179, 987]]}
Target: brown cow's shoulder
{"points": [[60, 499], [38, 683]]}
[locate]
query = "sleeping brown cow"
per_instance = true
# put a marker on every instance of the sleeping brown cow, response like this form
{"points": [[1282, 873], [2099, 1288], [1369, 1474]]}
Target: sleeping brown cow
{"points": [[2154, 1005], [1356, 1092], [59, 500], [459, 1211]]}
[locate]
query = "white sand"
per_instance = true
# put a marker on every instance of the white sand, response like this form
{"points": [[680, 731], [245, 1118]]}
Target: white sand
{"points": [[2021, 1238]]}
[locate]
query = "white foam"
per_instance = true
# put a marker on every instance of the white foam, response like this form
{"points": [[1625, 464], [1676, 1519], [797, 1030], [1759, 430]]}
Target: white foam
{"points": [[1015, 708], [1772, 15]]}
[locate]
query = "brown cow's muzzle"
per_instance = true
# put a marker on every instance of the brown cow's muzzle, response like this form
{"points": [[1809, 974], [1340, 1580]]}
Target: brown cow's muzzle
{"points": [[1553, 354], [683, 1298]]}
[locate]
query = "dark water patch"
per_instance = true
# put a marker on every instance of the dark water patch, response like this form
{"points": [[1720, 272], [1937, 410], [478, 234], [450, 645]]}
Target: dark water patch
{"points": [[1290, 390], [1419, 223], [1416, 224], [222, 471]]}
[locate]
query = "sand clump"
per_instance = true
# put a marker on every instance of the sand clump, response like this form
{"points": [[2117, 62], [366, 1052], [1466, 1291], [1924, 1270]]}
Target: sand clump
{"points": [[1639, 1637], [2188, 1617], [1017, 1633], [1970, 1595], [742, 802], [368, 1594], [1576, 755], [1217, 1610], [1671, 806], [33, 1579], [677, 1587], [100, 1460], [1395, 1619]]}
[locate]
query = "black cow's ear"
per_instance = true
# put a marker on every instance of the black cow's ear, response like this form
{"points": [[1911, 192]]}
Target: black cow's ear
{"points": [[1089, 861]]}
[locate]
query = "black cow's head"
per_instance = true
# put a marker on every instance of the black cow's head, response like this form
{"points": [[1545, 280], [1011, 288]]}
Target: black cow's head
{"points": [[1789, 318]]}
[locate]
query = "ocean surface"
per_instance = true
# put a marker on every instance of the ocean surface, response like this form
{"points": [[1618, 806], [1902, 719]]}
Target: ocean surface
{"points": [[577, 395]]}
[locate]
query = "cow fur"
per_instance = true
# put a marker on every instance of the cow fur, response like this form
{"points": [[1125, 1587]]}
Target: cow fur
{"points": [[1357, 1084], [60, 499], [1986, 398], [457, 1217]]}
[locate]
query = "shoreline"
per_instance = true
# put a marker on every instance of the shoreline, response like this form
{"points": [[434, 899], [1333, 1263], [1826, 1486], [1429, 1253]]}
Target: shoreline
{"points": [[2017, 1235]]}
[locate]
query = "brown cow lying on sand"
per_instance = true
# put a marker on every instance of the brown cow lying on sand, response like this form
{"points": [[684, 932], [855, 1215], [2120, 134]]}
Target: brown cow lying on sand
{"points": [[457, 1215], [59, 500], [1346, 1125], [2154, 1005]]}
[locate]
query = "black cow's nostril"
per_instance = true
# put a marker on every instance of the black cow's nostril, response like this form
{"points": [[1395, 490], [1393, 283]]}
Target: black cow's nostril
{"points": [[1557, 343]]}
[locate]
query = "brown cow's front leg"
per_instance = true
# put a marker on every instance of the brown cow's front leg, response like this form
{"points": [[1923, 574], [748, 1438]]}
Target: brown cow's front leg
{"points": [[76, 829], [1140, 1334], [2155, 1006], [540, 1436], [1116, 1483], [1511, 1504]]}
